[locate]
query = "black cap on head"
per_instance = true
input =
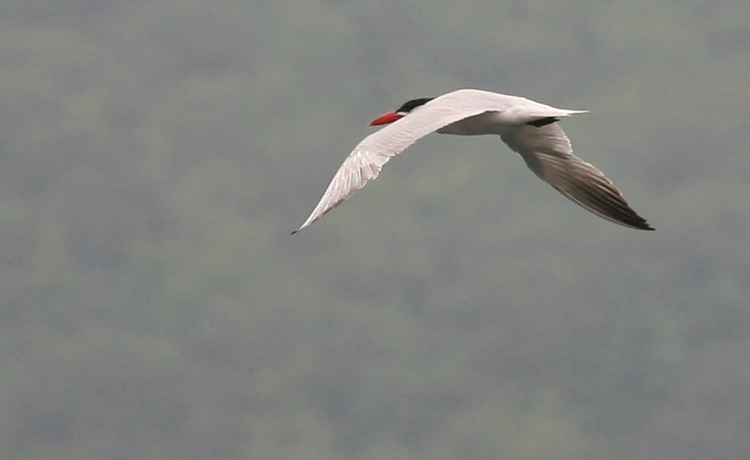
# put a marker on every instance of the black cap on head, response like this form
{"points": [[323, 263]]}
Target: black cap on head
{"points": [[413, 104]]}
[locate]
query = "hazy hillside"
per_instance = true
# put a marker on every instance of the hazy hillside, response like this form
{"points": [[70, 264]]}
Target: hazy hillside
{"points": [[156, 155]]}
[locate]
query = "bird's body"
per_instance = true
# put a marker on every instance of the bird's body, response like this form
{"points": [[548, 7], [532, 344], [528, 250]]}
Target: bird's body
{"points": [[527, 127]]}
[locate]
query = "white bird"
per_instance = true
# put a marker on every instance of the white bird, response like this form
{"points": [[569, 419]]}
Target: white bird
{"points": [[527, 127]]}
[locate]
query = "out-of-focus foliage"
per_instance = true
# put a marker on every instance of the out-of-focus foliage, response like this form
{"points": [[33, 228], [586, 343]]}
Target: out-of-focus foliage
{"points": [[155, 156]]}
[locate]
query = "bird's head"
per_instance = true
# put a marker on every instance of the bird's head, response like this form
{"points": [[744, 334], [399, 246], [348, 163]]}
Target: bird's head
{"points": [[407, 108]]}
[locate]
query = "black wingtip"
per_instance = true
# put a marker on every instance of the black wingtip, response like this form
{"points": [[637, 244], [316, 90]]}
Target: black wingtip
{"points": [[644, 226], [294, 232]]}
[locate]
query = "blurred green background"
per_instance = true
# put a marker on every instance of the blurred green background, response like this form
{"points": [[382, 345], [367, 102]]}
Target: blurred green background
{"points": [[155, 155]]}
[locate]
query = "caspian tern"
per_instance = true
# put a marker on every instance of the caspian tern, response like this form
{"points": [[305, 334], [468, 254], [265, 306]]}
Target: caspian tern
{"points": [[527, 127]]}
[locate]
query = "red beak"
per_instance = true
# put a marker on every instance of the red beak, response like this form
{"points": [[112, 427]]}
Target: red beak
{"points": [[388, 117]]}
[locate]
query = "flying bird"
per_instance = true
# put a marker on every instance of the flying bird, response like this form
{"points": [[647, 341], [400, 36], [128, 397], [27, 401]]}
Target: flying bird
{"points": [[527, 127]]}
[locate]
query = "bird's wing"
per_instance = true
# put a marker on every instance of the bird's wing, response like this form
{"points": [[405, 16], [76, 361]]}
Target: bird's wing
{"points": [[547, 151], [367, 159]]}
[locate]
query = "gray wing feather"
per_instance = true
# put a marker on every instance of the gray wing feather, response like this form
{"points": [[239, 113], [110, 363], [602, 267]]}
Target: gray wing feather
{"points": [[547, 151]]}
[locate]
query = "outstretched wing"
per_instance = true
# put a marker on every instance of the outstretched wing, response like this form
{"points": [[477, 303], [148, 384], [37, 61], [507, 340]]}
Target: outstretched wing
{"points": [[547, 151], [369, 156]]}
